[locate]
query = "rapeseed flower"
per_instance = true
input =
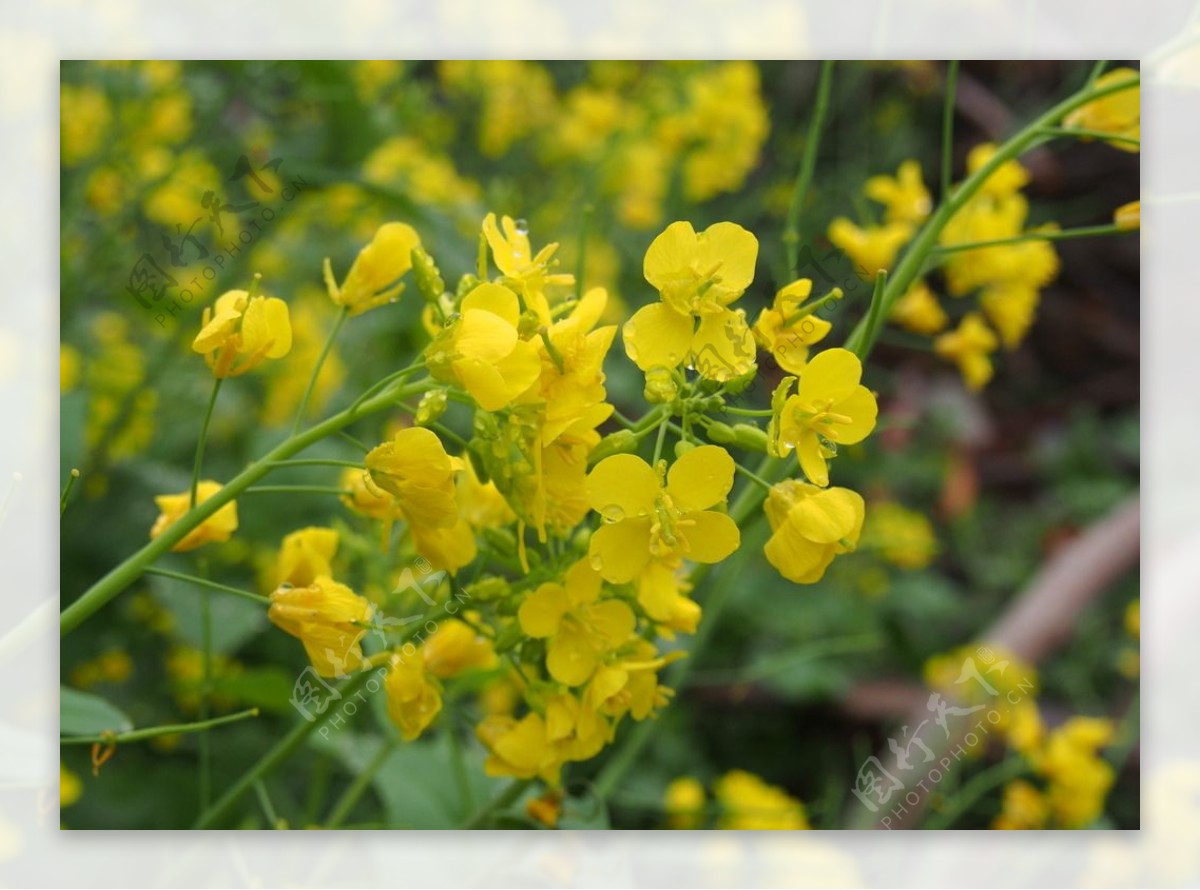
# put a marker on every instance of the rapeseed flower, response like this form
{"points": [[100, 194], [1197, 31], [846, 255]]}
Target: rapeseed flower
{"points": [[374, 277], [240, 331], [750, 804], [969, 346], [415, 469], [905, 197], [215, 529], [787, 329], [810, 526], [328, 618], [1118, 114]]}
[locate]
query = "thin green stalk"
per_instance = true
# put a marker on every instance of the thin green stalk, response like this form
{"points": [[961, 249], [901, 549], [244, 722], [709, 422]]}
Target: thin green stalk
{"points": [[860, 337], [128, 571], [206, 697], [791, 231], [199, 461], [345, 804], [979, 785], [319, 462], [150, 732], [1064, 235], [504, 799], [312, 381], [948, 124], [264, 801], [1080, 132], [753, 477], [298, 489], [662, 438], [211, 585], [919, 248], [747, 412], [66, 492], [1096, 71]]}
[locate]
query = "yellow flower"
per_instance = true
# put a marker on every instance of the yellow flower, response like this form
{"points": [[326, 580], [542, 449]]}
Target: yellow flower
{"points": [[830, 408], [903, 537], [304, 555], [969, 346], [1009, 178], [518, 748], [69, 364], [1024, 808], [240, 331], [215, 529], [871, 248], [629, 685], [416, 470], [1133, 619], [70, 788], [809, 527], [413, 700], [1079, 778], [516, 260], [684, 802], [576, 730], [1118, 114], [483, 350], [1010, 308], [750, 804], [919, 311], [698, 276], [546, 809], [367, 500], [905, 197], [374, 278], [645, 518], [456, 647], [328, 618], [1128, 216], [786, 330], [579, 630], [85, 115], [1025, 730], [660, 592]]}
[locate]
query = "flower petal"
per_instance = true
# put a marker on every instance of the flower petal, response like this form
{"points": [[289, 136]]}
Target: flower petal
{"points": [[700, 478], [622, 487], [862, 410], [827, 516], [671, 252], [830, 376], [711, 536], [723, 346], [621, 550], [657, 336]]}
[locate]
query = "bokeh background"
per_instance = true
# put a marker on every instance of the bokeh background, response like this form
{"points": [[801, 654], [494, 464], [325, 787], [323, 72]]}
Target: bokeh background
{"points": [[799, 684]]}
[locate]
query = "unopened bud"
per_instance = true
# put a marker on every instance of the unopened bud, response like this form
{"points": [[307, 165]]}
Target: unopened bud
{"points": [[431, 407], [750, 437], [660, 386], [427, 275], [721, 433]]}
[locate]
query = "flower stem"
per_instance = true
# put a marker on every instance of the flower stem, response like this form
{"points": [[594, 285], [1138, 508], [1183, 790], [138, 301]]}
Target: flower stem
{"points": [[948, 124], [312, 381], [1080, 132], [72, 478], [319, 462], [504, 799], [919, 248], [976, 788], [298, 489], [150, 732], [1064, 235], [199, 461], [345, 804], [211, 585], [133, 566], [791, 231]]}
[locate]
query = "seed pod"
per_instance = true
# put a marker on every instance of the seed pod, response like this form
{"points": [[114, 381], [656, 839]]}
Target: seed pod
{"points": [[750, 437]]}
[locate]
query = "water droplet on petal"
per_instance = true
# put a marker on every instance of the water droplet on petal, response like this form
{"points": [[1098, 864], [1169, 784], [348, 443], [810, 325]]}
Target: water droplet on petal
{"points": [[612, 513], [521, 226], [596, 562], [285, 586]]}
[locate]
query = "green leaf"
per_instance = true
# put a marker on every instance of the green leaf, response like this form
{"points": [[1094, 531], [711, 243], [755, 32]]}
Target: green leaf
{"points": [[81, 713], [234, 620], [267, 688]]}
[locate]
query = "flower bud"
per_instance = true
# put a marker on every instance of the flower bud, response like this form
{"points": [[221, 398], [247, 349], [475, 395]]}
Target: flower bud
{"points": [[431, 407], [720, 433], [660, 386], [427, 275], [750, 437]]}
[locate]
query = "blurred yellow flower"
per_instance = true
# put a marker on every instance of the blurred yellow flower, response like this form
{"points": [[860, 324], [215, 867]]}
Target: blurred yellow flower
{"points": [[905, 196], [1118, 114], [413, 699], [750, 804], [684, 802], [787, 329], [969, 347], [871, 248], [215, 529]]}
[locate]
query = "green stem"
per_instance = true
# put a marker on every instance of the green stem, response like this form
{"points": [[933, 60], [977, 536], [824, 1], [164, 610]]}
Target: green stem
{"points": [[319, 462], [1080, 132], [1065, 235], [298, 489], [504, 799], [312, 381], [753, 477], [791, 231], [747, 412], [211, 585], [138, 735], [206, 697], [132, 567], [345, 804], [1096, 71], [948, 124], [979, 785], [662, 438], [859, 338], [264, 801], [919, 248], [199, 461], [66, 492]]}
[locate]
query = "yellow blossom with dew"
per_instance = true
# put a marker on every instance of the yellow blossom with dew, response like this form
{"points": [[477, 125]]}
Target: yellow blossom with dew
{"points": [[374, 277], [970, 347], [698, 276], [483, 350], [810, 526], [215, 529], [648, 516], [830, 408], [414, 699], [415, 469], [529, 272], [579, 628], [328, 618], [239, 332]]}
